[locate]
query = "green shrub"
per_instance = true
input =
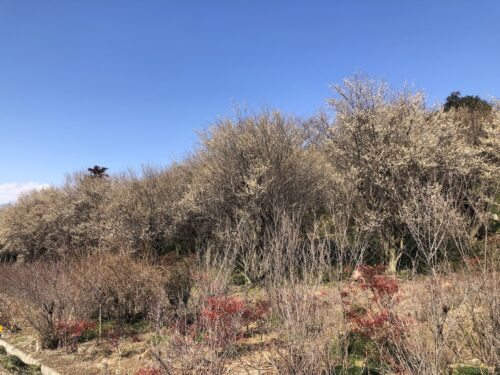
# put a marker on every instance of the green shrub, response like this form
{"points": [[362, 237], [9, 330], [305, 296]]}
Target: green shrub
{"points": [[16, 366], [469, 370]]}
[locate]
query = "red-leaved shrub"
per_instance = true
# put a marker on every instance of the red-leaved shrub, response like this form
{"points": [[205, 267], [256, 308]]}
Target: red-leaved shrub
{"points": [[221, 320], [369, 304], [70, 332], [148, 371]]}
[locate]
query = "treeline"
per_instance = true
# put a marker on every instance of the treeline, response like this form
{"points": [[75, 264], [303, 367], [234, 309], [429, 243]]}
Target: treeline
{"points": [[383, 170]]}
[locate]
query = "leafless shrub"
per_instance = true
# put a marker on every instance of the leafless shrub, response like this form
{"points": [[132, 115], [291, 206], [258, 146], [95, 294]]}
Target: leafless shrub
{"points": [[306, 335], [9, 310], [183, 355], [216, 263], [479, 326], [46, 296], [295, 270], [455, 304], [124, 288], [178, 284], [203, 336], [436, 226]]}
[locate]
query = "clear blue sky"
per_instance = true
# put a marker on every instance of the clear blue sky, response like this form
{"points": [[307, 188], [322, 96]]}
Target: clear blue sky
{"points": [[125, 82]]}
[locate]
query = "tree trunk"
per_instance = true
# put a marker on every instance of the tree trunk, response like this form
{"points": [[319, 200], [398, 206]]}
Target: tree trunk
{"points": [[392, 262], [393, 255]]}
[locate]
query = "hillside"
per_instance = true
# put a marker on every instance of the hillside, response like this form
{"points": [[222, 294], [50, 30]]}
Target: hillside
{"points": [[362, 242]]}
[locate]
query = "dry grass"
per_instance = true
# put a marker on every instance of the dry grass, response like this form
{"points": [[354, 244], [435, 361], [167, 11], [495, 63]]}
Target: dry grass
{"points": [[303, 332]]}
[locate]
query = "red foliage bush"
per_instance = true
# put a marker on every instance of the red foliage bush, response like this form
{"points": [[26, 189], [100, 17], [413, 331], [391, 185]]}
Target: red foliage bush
{"points": [[148, 371], [74, 328], [222, 318], [257, 312], [373, 317], [70, 332]]}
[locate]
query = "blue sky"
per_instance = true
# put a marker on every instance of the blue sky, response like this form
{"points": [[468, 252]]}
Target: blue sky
{"points": [[124, 82]]}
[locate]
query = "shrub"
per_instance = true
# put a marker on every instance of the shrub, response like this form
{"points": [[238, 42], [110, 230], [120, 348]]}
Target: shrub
{"points": [[204, 340], [125, 288], [54, 222], [249, 167], [46, 294], [387, 142], [58, 298], [8, 313], [149, 371], [145, 214], [222, 318], [306, 339], [469, 370], [14, 365], [70, 333], [481, 330], [375, 319], [373, 324], [178, 285], [35, 226]]}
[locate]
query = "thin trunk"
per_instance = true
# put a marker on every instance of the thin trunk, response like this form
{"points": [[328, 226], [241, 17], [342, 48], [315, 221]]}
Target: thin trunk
{"points": [[393, 255]]}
